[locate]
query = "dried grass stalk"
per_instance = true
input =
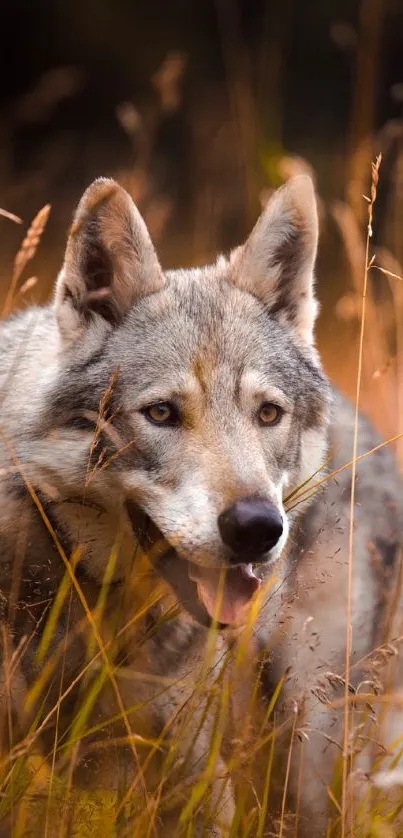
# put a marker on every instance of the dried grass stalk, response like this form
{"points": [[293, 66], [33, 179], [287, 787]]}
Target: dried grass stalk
{"points": [[26, 253], [11, 216]]}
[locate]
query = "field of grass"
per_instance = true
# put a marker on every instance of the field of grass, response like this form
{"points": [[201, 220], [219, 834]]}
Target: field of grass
{"points": [[57, 732]]}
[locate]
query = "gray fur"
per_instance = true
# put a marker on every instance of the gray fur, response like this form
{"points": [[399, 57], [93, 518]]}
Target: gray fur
{"points": [[218, 341]]}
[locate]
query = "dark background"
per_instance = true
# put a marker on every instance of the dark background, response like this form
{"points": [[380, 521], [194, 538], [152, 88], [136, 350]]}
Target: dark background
{"points": [[200, 109]]}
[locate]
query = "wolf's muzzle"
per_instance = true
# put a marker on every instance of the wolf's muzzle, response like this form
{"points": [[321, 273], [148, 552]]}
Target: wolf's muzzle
{"points": [[250, 528]]}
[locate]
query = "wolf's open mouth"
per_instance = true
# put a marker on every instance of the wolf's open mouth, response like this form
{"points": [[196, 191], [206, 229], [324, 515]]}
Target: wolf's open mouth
{"points": [[225, 594], [207, 593]]}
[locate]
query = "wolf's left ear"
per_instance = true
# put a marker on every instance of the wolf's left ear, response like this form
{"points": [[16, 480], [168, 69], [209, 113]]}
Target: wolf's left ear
{"points": [[276, 263], [110, 261]]}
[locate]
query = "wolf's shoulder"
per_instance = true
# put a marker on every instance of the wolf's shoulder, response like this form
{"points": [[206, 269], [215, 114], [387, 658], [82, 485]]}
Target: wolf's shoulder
{"points": [[374, 452], [379, 484]]}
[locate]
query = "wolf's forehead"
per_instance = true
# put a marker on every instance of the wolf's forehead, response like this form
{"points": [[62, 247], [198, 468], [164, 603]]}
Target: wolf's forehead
{"points": [[202, 336], [201, 314], [201, 325], [199, 337]]}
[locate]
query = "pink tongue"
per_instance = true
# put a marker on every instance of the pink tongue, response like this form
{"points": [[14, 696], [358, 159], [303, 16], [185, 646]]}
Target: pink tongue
{"points": [[226, 602]]}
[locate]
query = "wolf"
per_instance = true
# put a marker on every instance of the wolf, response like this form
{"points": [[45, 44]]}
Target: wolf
{"points": [[175, 462]]}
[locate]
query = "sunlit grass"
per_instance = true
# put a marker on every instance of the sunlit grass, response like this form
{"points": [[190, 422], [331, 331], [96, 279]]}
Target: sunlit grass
{"points": [[39, 792]]}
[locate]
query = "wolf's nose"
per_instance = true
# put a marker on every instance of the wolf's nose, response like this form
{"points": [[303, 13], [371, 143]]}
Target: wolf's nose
{"points": [[251, 526]]}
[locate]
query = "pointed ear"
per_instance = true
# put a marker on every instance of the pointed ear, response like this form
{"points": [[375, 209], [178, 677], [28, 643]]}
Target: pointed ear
{"points": [[110, 261], [276, 263]]}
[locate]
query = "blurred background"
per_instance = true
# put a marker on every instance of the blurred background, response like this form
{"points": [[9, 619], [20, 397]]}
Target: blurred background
{"points": [[200, 108]]}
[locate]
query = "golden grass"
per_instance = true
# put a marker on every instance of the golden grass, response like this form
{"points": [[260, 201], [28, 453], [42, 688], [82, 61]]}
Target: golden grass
{"points": [[26, 253], [38, 794], [347, 765]]}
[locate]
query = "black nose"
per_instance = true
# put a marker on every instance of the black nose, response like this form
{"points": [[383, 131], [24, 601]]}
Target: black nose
{"points": [[250, 527]]}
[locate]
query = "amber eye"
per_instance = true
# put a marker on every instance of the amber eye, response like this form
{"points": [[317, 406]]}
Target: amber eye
{"points": [[270, 414], [161, 413]]}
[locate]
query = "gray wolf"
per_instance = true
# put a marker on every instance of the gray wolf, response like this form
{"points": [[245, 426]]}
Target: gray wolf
{"points": [[155, 430]]}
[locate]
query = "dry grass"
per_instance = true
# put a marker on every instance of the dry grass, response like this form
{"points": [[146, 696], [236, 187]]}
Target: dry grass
{"points": [[38, 792], [347, 762], [26, 253]]}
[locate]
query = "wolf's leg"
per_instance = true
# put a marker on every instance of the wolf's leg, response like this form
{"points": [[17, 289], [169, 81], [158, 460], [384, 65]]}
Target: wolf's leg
{"points": [[382, 764], [215, 817], [212, 815], [311, 657], [314, 760], [173, 769]]}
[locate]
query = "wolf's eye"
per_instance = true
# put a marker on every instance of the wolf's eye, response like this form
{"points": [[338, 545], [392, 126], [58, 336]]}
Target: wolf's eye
{"points": [[161, 413], [270, 414]]}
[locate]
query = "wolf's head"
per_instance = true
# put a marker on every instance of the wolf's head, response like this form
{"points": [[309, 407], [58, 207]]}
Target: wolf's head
{"points": [[219, 405]]}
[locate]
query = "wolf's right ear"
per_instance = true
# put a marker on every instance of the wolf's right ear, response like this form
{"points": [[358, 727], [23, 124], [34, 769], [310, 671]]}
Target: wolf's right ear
{"points": [[110, 261]]}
